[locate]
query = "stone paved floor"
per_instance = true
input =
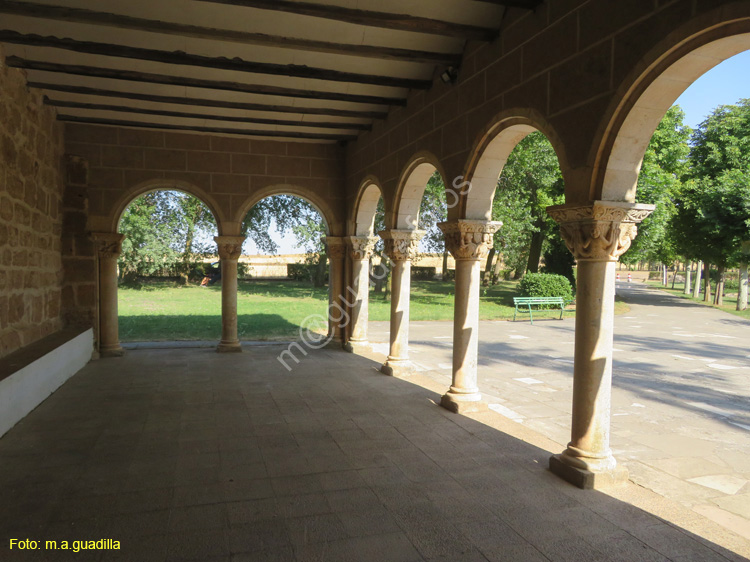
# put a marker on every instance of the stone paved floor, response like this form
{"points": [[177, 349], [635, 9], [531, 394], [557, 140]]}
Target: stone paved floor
{"points": [[185, 454], [680, 399]]}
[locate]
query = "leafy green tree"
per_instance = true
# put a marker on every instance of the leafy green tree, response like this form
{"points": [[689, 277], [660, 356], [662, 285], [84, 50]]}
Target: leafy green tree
{"points": [[664, 165], [289, 214], [530, 182], [713, 218], [722, 141], [166, 232]]}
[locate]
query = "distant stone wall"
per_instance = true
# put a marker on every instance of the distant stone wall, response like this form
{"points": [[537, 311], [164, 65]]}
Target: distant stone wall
{"points": [[31, 148]]}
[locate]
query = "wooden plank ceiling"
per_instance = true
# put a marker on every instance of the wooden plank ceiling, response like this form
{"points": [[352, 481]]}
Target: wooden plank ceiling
{"points": [[318, 71]]}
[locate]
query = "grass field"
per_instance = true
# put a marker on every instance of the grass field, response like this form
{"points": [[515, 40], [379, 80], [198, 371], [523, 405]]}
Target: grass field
{"points": [[730, 299], [269, 310]]}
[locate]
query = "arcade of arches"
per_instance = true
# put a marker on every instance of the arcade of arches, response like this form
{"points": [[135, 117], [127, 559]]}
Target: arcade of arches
{"points": [[594, 76]]}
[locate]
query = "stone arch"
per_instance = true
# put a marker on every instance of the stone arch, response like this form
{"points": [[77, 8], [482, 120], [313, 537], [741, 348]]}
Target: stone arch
{"points": [[487, 158], [652, 89], [165, 185], [365, 207], [287, 189], [408, 198]]}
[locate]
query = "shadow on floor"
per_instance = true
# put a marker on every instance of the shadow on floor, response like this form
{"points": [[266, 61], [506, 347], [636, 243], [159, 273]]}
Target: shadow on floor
{"points": [[192, 455]]}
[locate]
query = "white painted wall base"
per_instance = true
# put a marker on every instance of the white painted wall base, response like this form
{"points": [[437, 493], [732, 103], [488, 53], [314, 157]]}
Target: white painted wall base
{"points": [[28, 387]]}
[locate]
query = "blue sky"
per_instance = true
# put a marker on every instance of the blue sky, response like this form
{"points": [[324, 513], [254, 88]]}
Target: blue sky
{"points": [[722, 85]]}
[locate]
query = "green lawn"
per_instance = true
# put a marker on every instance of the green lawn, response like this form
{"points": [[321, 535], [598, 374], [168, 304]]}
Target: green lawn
{"points": [[730, 299], [269, 310]]}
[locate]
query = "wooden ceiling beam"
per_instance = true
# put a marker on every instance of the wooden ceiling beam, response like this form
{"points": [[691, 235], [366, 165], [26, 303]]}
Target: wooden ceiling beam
{"points": [[524, 4], [79, 15], [386, 20], [223, 63], [206, 116], [219, 130], [150, 78], [205, 102]]}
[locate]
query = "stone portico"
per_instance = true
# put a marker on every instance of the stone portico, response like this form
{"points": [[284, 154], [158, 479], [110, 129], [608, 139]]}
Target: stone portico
{"points": [[343, 105]]}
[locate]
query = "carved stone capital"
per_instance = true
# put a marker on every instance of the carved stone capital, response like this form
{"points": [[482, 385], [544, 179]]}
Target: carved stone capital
{"points": [[401, 245], [230, 247], [107, 244], [335, 247], [600, 231], [469, 239], [361, 247]]}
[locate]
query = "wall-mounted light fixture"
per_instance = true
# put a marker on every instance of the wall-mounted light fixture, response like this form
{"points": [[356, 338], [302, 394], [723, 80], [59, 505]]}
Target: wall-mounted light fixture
{"points": [[449, 75]]}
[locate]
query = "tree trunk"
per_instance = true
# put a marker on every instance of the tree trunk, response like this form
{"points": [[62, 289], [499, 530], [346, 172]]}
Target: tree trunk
{"points": [[707, 282], [697, 288], [388, 279], [320, 271], [742, 293], [719, 299], [487, 276], [664, 274], [445, 265], [535, 250], [688, 271], [498, 268]]}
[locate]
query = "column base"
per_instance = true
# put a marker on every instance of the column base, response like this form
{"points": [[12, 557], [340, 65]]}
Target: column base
{"points": [[114, 351], [357, 346], [587, 479], [229, 347], [334, 343], [463, 403], [397, 368]]}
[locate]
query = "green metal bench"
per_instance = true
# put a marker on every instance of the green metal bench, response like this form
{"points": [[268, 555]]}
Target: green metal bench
{"points": [[525, 305]]}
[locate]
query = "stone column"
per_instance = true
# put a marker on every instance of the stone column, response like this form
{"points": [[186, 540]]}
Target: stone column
{"points": [[597, 234], [230, 249], [108, 246], [337, 315], [468, 241], [400, 247], [358, 295]]}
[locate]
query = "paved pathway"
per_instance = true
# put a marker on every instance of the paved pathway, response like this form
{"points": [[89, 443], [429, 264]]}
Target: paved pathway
{"points": [[681, 392]]}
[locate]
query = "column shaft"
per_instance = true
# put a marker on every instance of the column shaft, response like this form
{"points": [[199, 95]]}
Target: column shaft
{"points": [[109, 329], [468, 241], [466, 330], [597, 234], [359, 297], [592, 369], [230, 248], [400, 247], [108, 245]]}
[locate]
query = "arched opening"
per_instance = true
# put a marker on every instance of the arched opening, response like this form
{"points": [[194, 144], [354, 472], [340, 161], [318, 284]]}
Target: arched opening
{"points": [[370, 201], [168, 252], [657, 94], [284, 279]]}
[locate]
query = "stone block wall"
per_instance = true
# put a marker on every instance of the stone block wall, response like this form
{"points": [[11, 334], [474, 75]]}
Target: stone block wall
{"points": [[228, 173], [31, 190], [565, 68]]}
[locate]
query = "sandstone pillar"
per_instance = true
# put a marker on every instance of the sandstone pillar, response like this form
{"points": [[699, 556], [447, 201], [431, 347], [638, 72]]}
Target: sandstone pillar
{"points": [[108, 246], [400, 247], [468, 241], [597, 234], [337, 315], [358, 295], [230, 249]]}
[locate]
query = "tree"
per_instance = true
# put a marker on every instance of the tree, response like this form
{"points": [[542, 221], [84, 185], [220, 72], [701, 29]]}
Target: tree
{"points": [[289, 214], [664, 165], [713, 218], [165, 232], [531, 181]]}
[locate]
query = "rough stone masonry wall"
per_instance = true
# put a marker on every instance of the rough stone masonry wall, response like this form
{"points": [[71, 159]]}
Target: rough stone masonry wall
{"points": [[31, 148]]}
